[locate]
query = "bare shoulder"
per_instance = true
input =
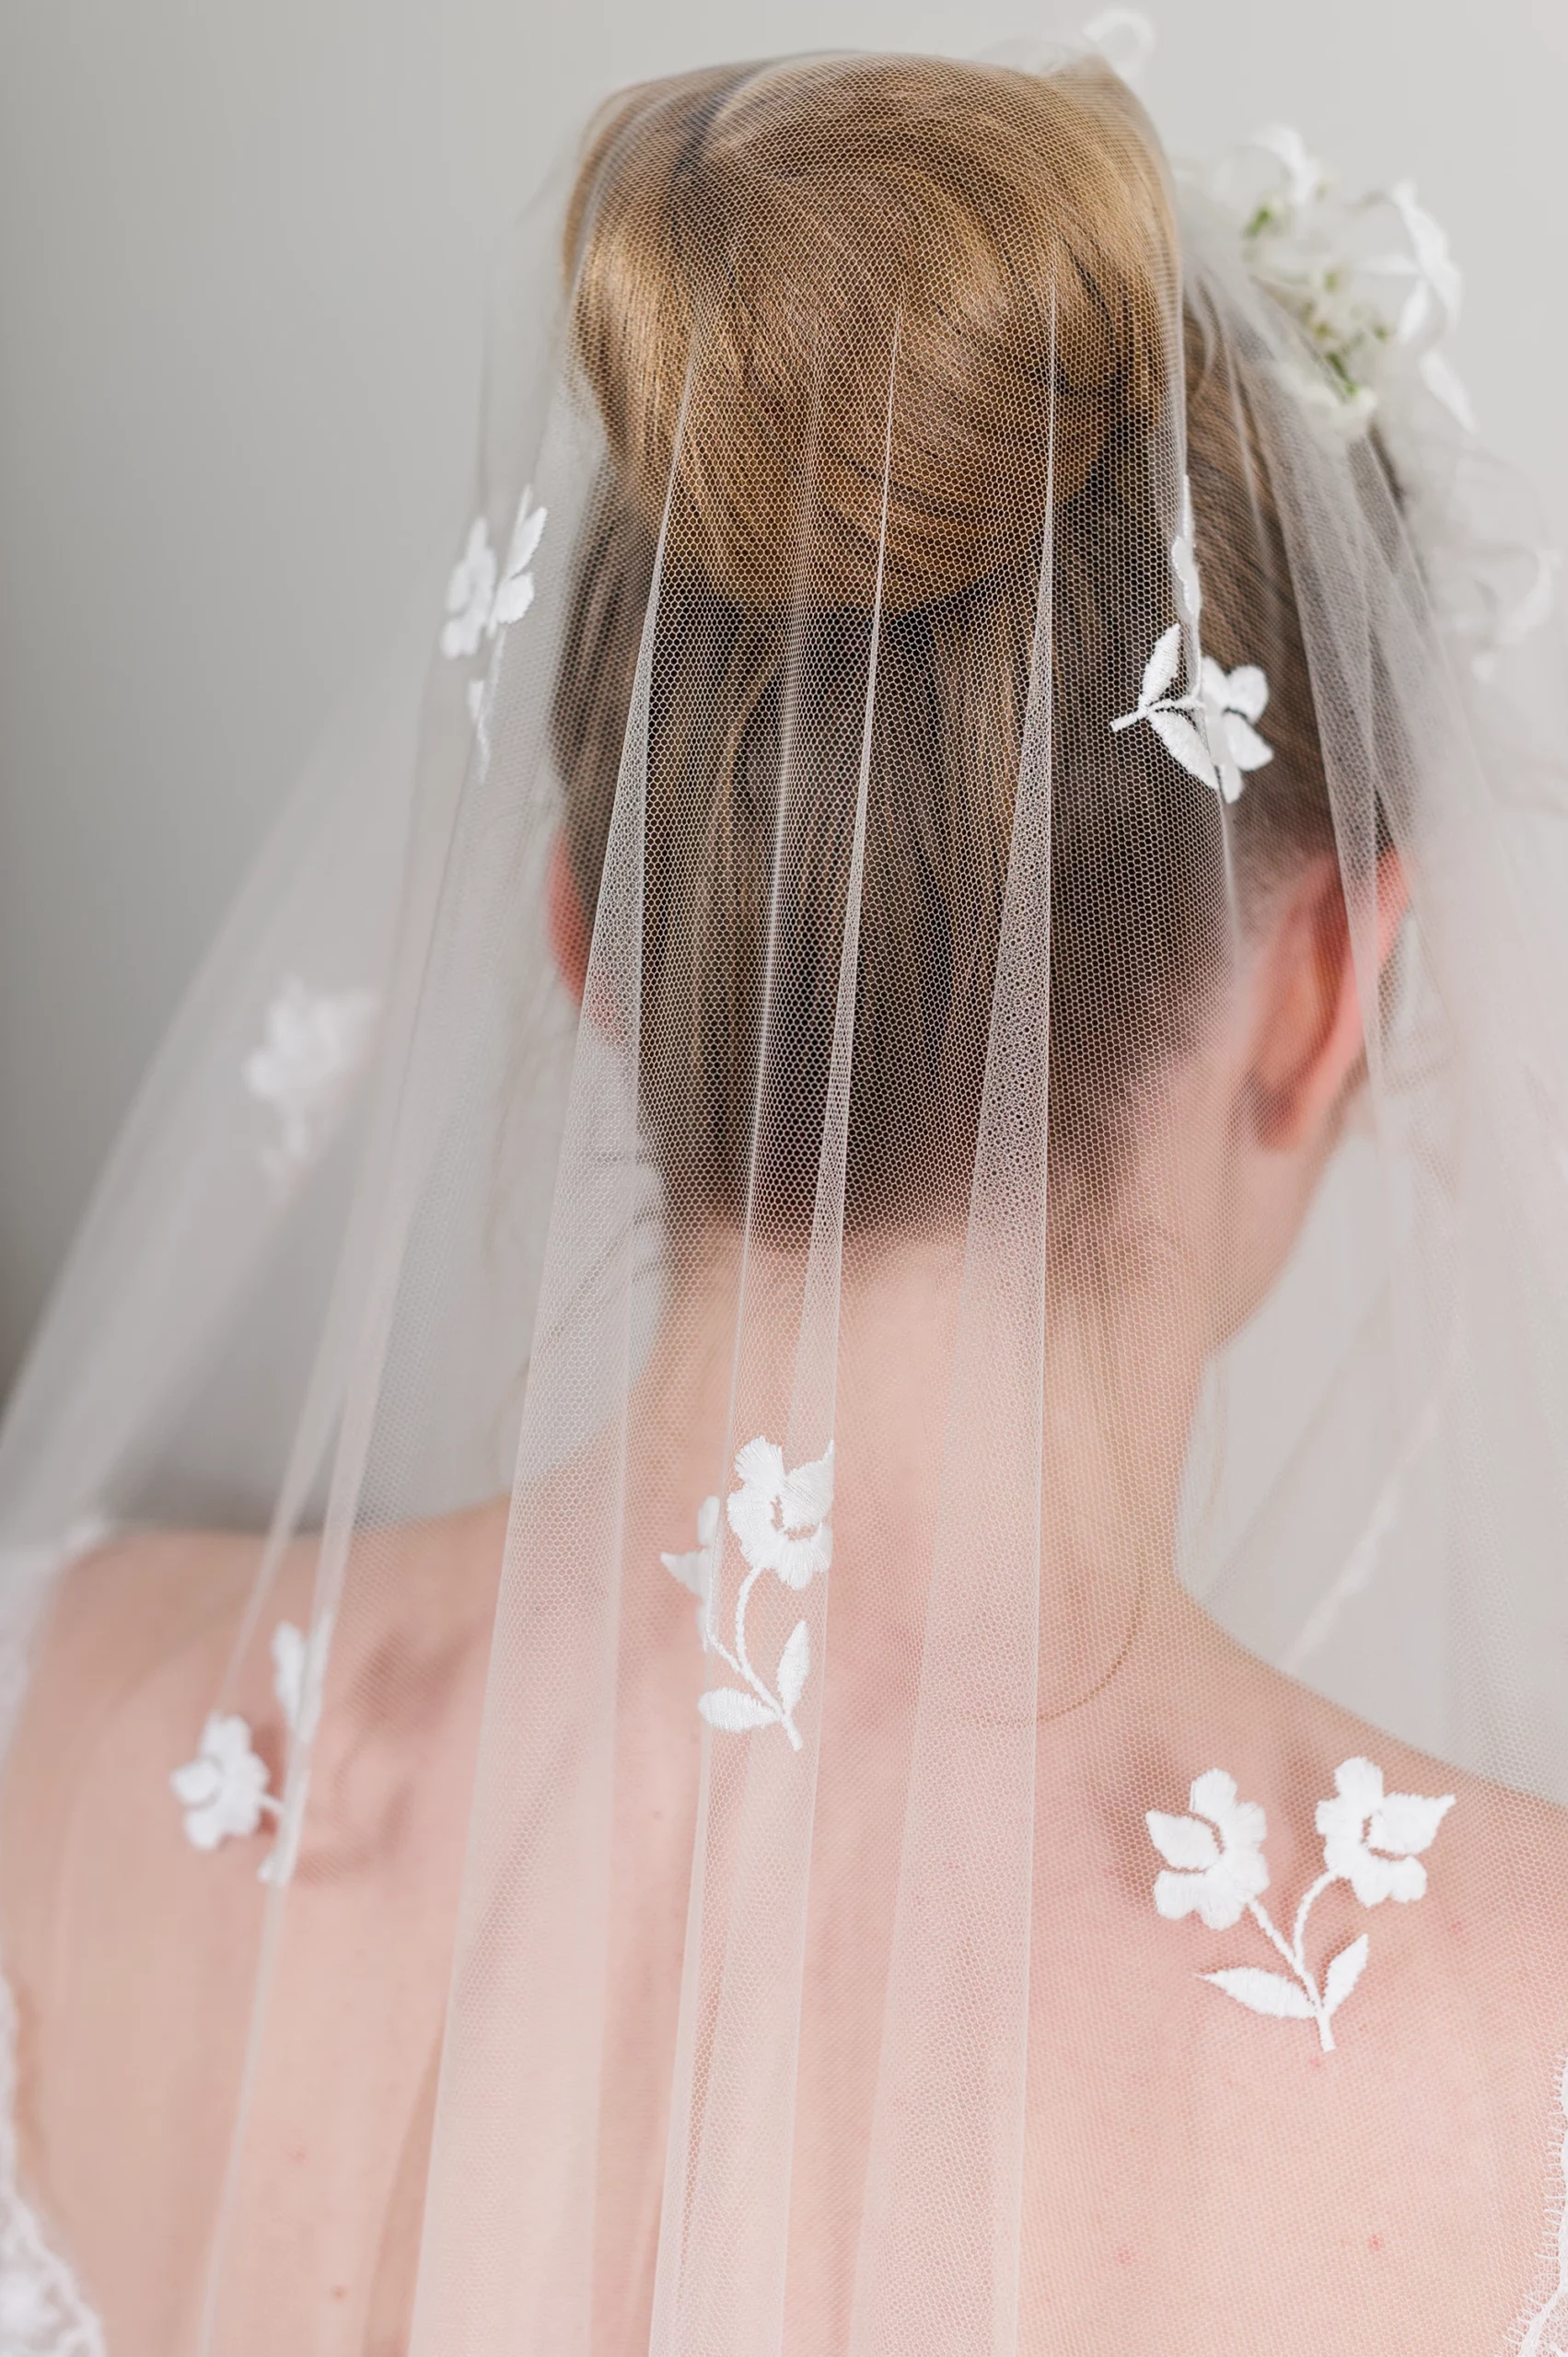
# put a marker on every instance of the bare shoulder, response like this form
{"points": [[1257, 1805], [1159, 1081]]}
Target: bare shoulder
{"points": [[1487, 1948], [136, 1649]]}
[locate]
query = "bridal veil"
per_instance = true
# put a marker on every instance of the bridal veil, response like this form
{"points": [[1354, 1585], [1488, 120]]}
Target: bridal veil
{"points": [[940, 585]]}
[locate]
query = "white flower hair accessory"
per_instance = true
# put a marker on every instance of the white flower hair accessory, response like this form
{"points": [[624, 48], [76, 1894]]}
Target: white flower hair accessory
{"points": [[781, 1519], [1215, 1869], [1370, 280]]}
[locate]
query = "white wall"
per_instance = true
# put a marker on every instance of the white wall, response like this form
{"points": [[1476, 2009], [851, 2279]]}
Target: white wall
{"points": [[242, 256]]}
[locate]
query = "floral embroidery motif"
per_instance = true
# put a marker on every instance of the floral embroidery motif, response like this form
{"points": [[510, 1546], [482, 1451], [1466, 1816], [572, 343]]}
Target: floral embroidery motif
{"points": [[1209, 727], [314, 1046], [482, 598], [1215, 1869], [224, 1791], [1230, 703], [781, 1520]]}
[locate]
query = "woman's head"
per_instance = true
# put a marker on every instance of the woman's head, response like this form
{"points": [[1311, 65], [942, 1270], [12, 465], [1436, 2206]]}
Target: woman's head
{"points": [[794, 289]]}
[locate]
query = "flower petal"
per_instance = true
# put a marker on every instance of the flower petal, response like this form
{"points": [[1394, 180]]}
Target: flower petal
{"points": [[511, 599], [1359, 1781], [1407, 1822], [694, 1571], [1407, 1878], [807, 1494], [196, 1785], [1245, 690], [799, 1561], [1182, 1841], [1372, 1879], [761, 1466], [1176, 1895], [525, 533], [1245, 748]]}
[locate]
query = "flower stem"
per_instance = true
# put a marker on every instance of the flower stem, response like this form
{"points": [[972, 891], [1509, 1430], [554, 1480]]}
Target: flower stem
{"points": [[1294, 1959], [743, 1664]]}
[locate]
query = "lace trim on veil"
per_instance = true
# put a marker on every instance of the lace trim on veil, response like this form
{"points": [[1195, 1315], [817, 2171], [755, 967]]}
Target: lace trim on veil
{"points": [[42, 2310]]}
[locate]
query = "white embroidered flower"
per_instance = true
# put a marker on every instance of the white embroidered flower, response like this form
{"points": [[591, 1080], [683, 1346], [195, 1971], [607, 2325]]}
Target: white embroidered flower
{"points": [[313, 1046], [1226, 701], [470, 593], [1212, 1878], [482, 599], [1373, 1839], [223, 1790], [781, 1518], [1219, 1881], [696, 1570], [1232, 701]]}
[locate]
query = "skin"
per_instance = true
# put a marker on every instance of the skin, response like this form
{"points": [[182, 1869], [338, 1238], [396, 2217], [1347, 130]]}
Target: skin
{"points": [[1197, 2182]]}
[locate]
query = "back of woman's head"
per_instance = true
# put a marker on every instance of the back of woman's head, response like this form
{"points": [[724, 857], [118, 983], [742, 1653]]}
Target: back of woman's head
{"points": [[891, 350]]}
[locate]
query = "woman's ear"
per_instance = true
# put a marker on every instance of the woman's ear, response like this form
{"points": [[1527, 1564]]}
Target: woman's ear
{"points": [[1310, 1039], [571, 935]]}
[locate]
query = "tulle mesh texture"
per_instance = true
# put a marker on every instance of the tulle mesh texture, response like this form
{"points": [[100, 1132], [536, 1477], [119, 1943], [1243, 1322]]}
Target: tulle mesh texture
{"points": [[811, 1147]]}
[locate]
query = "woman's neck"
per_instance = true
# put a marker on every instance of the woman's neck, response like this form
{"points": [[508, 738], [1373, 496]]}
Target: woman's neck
{"points": [[1084, 1436]]}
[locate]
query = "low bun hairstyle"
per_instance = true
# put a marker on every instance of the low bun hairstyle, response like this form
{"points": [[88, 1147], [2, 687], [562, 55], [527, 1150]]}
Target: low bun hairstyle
{"points": [[747, 247]]}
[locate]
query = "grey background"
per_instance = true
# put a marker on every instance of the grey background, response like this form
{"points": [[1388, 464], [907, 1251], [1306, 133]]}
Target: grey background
{"points": [[243, 253]]}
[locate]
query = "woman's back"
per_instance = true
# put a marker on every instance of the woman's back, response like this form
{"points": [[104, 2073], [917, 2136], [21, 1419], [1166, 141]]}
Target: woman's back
{"points": [[899, 1693], [1186, 2161]]}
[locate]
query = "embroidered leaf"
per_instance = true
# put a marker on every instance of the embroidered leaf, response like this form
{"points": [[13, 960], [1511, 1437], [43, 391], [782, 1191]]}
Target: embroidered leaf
{"points": [[795, 1665], [1182, 1840], [1263, 1992], [1343, 1974], [1160, 669], [1182, 741], [726, 1708]]}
